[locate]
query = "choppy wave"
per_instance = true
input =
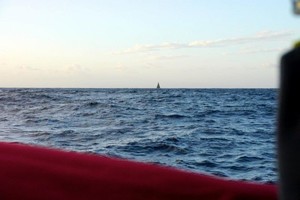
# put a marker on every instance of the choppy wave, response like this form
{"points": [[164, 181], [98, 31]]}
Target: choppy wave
{"points": [[226, 132]]}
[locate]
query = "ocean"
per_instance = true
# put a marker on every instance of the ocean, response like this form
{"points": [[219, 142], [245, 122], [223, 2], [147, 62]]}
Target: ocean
{"points": [[225, 132]]}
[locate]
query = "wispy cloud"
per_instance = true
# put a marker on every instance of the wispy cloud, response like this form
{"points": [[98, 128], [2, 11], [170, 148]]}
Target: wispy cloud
{"points": [[166, 58], [3, 63], [120, 67], [261, 36], [76, 68], [29, 68], [253, 50], [260, 50], [150, 47], [269, 65]]}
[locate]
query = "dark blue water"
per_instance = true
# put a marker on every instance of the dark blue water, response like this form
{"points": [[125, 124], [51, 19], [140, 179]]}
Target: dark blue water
{"points": [[225, 132]]}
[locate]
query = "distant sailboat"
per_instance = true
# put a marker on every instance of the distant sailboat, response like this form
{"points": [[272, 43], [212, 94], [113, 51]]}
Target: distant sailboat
{"points": [[158, 86]]}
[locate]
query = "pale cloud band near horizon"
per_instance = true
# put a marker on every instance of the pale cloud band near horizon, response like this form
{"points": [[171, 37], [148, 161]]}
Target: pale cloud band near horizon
{"points": [[261, 36]]}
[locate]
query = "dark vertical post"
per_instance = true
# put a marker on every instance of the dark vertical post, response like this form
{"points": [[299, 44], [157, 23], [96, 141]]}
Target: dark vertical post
{"points": [[289, 126]]}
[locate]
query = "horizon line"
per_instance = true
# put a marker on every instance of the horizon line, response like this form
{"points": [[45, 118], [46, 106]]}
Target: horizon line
{"points": [[138, 88]]}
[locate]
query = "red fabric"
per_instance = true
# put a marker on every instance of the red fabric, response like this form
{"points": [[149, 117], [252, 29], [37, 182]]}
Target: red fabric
{"points": [[28, 172]]}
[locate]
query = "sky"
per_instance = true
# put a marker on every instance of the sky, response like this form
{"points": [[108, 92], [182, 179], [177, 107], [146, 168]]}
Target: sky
{"points": [[137, 43]]}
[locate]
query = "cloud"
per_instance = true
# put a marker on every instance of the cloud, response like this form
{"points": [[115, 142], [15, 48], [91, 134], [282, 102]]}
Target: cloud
{"points": [[261, 36], [29, 68], [253, 50], [269, 65], [147, 48], [76, 68], [165, 58], [3, 63], [120, 67], [260, 50]]}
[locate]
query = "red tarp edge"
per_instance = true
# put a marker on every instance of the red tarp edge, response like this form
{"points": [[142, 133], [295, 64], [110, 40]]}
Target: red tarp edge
{"points": [[30, 172]]}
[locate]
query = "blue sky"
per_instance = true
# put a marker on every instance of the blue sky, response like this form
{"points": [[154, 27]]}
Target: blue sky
{"points": [[137, 43]]}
